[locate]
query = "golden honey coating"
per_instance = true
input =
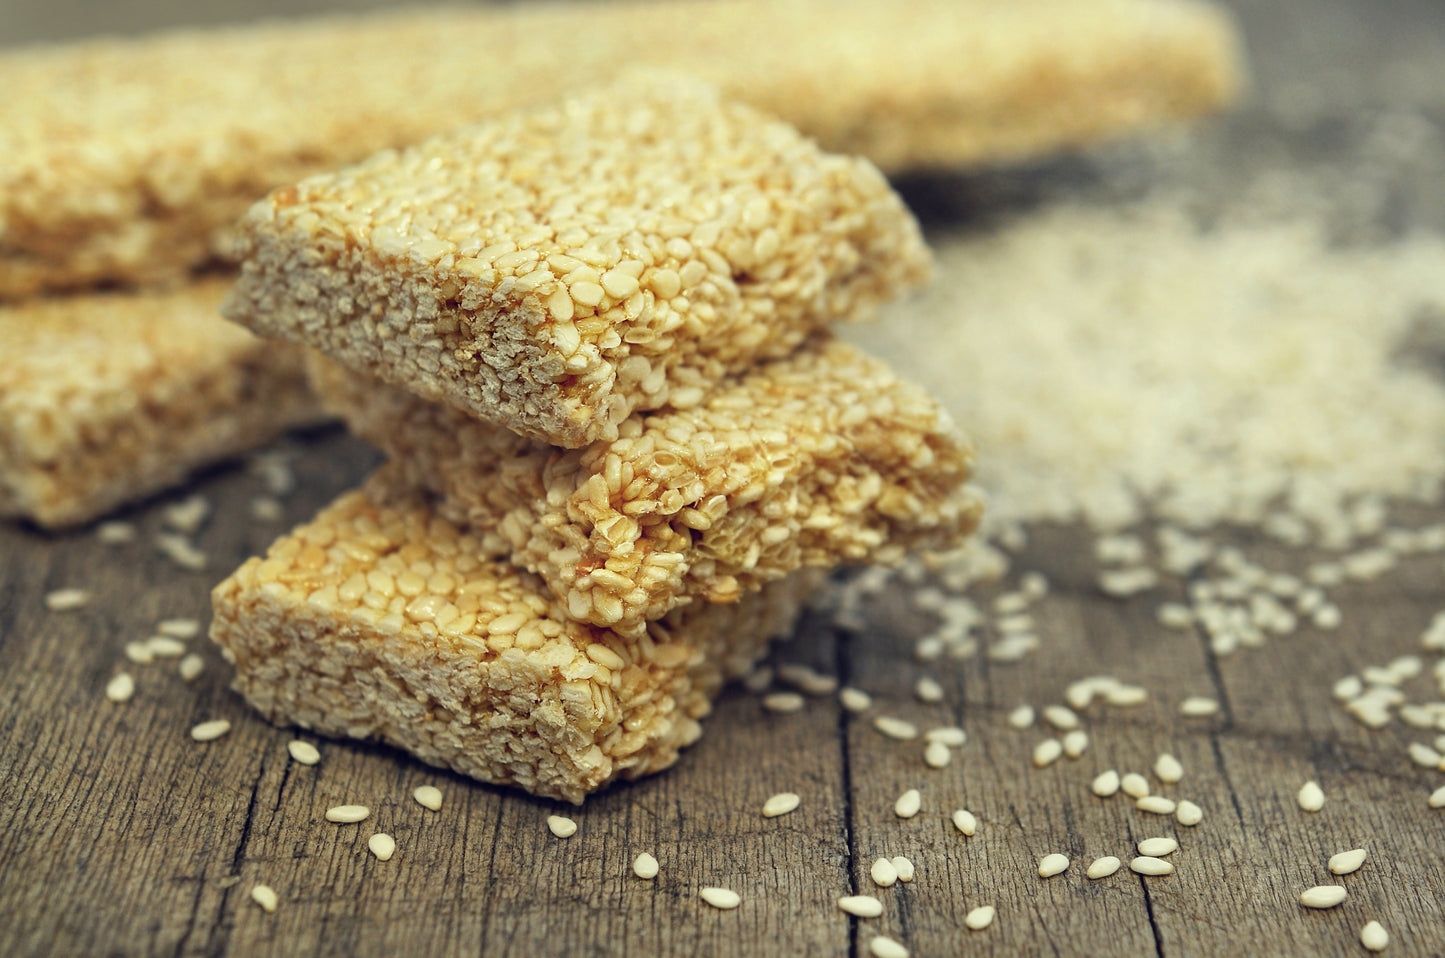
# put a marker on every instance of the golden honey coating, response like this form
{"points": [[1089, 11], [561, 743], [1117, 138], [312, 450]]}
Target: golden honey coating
{"points": [[389, 623], [815, 460], [558, 268], [124, 159], [106, 398]]}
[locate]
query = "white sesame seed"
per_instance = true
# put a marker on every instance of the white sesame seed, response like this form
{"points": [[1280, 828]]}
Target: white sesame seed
{"points": [[1423, 755], [1127, 696], [1127, 582], [965, 822], [382, 845], [854, 700], [780, 804], [863, 906], [1105, 784], [1168, 768], [1144, 865], [936, 755], [266, 509], [180, 551], [1174, 615], [896, 728], [722, 898], [120, 688], [190, 667], [806, 679], [1327, 617], [1022, 717], [1061, 717], [928, 690], [1323, 896], [758, 679], [1076, 743], [140, 653], [1047, 752], [115, 533], [184, 629], [979, 918], [561, 826], [783, 702], [908, 804], [885, 947], [1010, 603], [1346, 863], [165, 647], [1198, 706], [1156, 805], [1103, 867], [950, 735], [1188, 813], [1134, 785], [187, 515], [428, 796], [347, 814], [303, 752], [65, 600], [1051, 865], [1374, 937], [265, 896], [1437, 798], [644, 866], [1158, 847], [904, 868], [1034, 585], [210, 731], [883, 873], [1311, 797]]}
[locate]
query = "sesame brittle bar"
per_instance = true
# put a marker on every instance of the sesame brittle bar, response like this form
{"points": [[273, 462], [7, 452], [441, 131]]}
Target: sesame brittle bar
{"points": [[559, 268], [818, 459], [389, 623]]}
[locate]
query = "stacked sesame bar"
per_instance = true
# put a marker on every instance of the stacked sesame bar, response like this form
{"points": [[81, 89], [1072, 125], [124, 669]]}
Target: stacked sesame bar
{"points": [[590, 335]]}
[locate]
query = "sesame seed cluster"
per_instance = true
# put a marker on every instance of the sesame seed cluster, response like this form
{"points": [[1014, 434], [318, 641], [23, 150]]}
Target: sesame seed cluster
{"points": [[821, 458], [128, 160], [389, 623], [107, 396], [558, 268]]}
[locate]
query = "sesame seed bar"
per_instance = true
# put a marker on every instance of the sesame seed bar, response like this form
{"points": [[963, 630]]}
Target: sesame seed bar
{"points": [[818, 459], [106, 398], [127, 159], [560, 267], [389, 623]]}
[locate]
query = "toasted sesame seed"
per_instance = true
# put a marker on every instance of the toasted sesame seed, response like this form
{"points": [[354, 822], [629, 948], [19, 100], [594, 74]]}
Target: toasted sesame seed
{"points": [[1437, 798], [120, 688], [1198, 706], [885, 947], [1346, 863], [1188, 813], [722, 898], [1311, 797], [1323, 896], [979, 918], [1156, 805], [428, 796], [1105, 784], [949, 735], [783, 702], [1061, 717], [347, 814], [1076, 743], [780, 804], [1158, 847], [965, 822], [561, 826], [265, 896], [936, 755], [1103, 867], [382, 845], [1134, 785], [1168, 768], [165, 647], [210, 731], [644, 866], [303, 752], [1374, 936], [190, 667], [1022, 717], [1145, 865], [1047, 752], [65, 600], [1051, 865], [863, 906], [908, 804], [883, 873], [928, 690], [854, 700], [896, 728]]}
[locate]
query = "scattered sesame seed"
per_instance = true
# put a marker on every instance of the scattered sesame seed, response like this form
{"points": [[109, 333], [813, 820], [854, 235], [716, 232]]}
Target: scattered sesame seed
{"points": [[561, 826], [1134, 785], [1061, 717], [1051, 865], [928, 690], [1437, 798], [382, 845], [936, 755], [904, 868], [429, 797], [115, 533], [1188, 813], [854, 700], [266, 509], [1127, 696], [908, 804], [165, 647], [965, 822], [1127, 582], [210, 731], [347, 814], [1156, 805], [883, 873], [265, 896], [1076, 743], [758, 679], [979, 918], [190, 667], [120, 688], [1047, 752], [1323, 896], [1022, 717], [1105, 784], [303, 752], [1311, 797], [1103, 867], [783, 702], [66, 600], [180, 551], [1346, 863], [1034, 585], [1158, 847], [140, 653], [1374, 937], [1423, 755], [806, 679], [863, 906], [896, 728], [950, 735], [184, 629], [1144, 865], [780, 804], [1198, 706], [1327, 617], [644, 866], [1168, 768], [885, 947], [722, 898]]}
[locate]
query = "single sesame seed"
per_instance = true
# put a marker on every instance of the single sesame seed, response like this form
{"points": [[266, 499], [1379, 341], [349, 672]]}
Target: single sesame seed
{"points": [[265, 896], [1134, 785], [303, 752], [1051, 865], [965, 822], [115, 533], [1158, 847], [908, 804], [928, 690], [1197, 706], [210, 731], [758, 679], [722, 898], [1374, 936], [885, 947], [347, 814], [1168, 768], [1188, 813], [783, 702], [883, 873], [120, 688], [896, 728], [1144, 865], [1423, 755], [1105, 784], [266, 509], [1323, 896], [1311, 797], [854, 700], [190, 667], [1345, 863], [644, 866], [165, 647], [1127, 696], [561, 826], [904, 868], [183, 629], [428, 796], [1022, 717], [806, 679], [1103, 867], [1061, 717], [863, 906], [979, 918], [65, 600], [780, 804], [936, 755], [1047, 752], [1437, 798], [1156, 805], [382, 845], [140, 653], [950, 735], [1076, 743]]}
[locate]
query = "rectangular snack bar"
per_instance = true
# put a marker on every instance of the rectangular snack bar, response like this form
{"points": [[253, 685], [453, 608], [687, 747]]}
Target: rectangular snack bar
{"points": [[821, 458], [125, 159], [389, 623], [558, 268], [106, 398]]}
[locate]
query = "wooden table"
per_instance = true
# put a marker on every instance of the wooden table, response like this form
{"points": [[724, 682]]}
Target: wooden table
{"points": [[119, 835]]}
